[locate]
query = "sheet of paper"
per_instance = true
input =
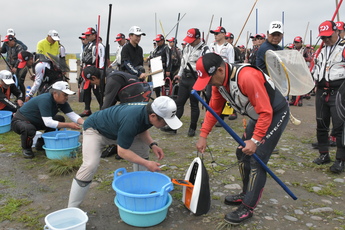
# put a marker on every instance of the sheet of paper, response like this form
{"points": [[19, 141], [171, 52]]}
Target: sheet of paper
{"points": [[158, 78]]}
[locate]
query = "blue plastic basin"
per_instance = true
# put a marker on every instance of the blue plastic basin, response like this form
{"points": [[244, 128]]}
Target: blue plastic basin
{"points": [[141, 191], [144, 219]]}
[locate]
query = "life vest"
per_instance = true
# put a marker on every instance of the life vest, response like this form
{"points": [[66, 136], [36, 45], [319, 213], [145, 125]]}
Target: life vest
{"points": [[88, 54], [331, 68], [237, 99], [135, 92], [224, 49], [51, 76], [7, 94]]}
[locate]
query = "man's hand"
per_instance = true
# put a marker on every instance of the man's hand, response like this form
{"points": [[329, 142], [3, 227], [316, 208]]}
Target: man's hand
{"points": [[177, 78], [158, 152], [250, 148], [27, 99], [73, 125], [20, 103], [142, 77], [201, 144], [153, 166]]}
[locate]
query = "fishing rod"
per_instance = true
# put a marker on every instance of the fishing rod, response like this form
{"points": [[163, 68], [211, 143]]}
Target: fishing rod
{"points": [[176, 24], [160, 22], [209, 28], [8, 64], [106, 57], [245, 23]]}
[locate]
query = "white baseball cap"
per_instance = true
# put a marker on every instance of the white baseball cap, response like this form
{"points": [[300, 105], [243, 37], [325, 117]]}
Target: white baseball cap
{"points": [[276, 26], [54, 34], [6, 77], [136, 30], [165, 107], [11, 32], [63, 86]]}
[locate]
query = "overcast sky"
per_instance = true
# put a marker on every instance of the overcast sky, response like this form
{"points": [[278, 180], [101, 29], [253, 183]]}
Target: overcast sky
{"points": [[32, 20]]}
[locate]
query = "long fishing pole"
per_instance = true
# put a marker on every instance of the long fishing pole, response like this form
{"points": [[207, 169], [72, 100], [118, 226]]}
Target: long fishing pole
{"points": [[162, 28], [241, 142], [306, 31], [245, 23], [97, 40], [106, 57], [176, 24], [209, 28]]}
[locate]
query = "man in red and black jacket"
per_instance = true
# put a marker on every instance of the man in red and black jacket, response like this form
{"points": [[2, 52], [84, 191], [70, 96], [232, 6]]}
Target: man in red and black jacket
{"points": [[250, 92]]}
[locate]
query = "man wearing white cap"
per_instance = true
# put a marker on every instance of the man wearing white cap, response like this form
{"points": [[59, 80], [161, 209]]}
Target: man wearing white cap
{"points": [[7, 87], [274, 36], [119, 125], [50, 44], [132, 59], [40, 113]]}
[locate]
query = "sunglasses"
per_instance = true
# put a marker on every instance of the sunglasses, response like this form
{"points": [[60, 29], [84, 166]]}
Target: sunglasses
{"points": [[216, 33], [260, 38], [87, 35]]}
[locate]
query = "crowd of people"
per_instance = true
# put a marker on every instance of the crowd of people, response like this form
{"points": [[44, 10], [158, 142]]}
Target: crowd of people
{"points": [[228, 76]]}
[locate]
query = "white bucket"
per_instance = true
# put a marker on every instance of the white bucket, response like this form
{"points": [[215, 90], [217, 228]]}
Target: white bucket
{"points": [[66, 219]]}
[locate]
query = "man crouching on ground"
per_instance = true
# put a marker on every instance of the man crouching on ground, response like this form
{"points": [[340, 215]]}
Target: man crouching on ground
{"points": [[119, 125]]}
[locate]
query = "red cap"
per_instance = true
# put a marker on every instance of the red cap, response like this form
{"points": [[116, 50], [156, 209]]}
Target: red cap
{"points": [[290, 46], [229, 35], [82, 37], [192, 35], [119, 37], [23, 57], [219, 29], [89, 31], [172, 39], [297, 39], [88, 72], [206, 66], [261, 35], [159, 37], [8, 38], [340, 25], [327, 28]]}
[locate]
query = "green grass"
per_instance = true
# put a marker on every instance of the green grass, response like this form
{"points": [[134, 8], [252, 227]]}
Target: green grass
{"points": [[11, 206], [327, 189], [64, 166], [13, 143]]}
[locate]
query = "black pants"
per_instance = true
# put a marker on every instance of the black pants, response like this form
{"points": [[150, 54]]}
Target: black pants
{"points": [[184, 92], [27, 130], [252, 173], [88, 97], [325, 112], [21, 74]]}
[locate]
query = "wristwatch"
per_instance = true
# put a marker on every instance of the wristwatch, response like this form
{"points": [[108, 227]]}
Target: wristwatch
{"points": [[152, 144], [256, 142]]}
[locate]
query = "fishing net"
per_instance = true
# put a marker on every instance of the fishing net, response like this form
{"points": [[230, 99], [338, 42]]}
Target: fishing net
{"points": [[289, 72]]}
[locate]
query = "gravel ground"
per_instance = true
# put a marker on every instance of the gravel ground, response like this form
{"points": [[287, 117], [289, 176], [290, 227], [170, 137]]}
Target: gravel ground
{"points": [[320, 203]]}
